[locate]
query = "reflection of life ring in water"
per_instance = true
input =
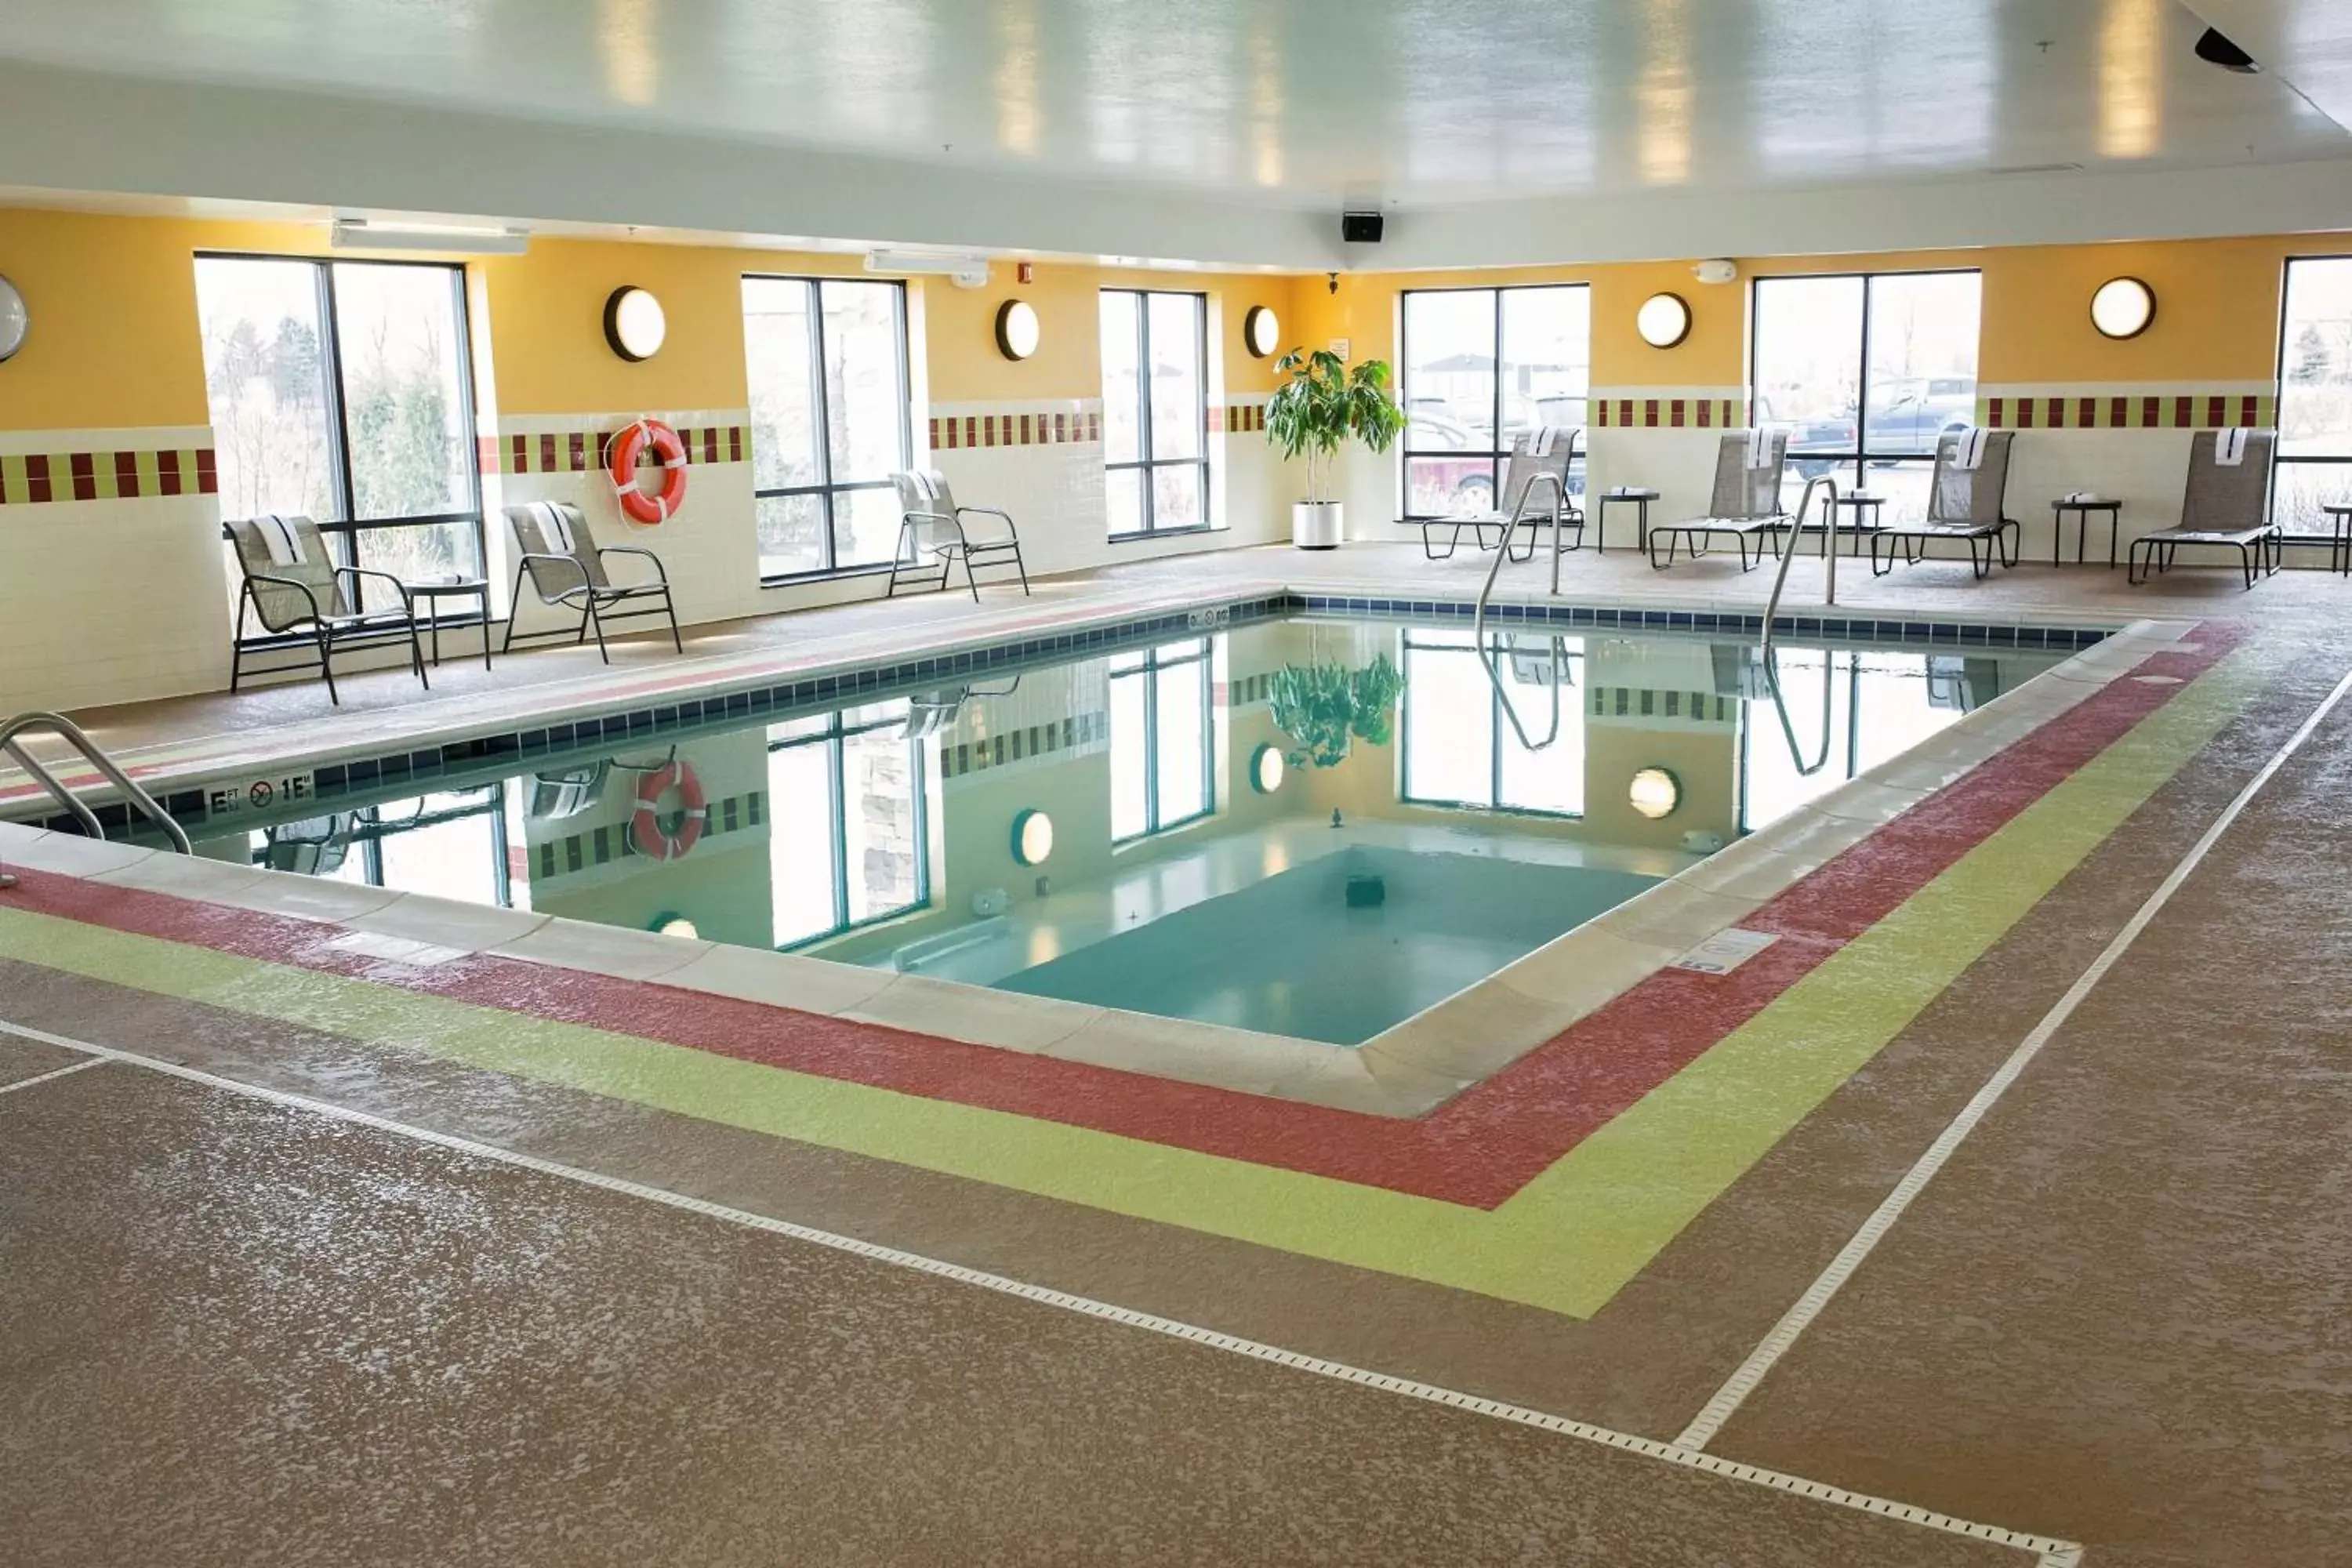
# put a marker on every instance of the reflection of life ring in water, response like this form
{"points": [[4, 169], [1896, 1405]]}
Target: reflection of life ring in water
{"points": [[635, 504], [644, 828]]}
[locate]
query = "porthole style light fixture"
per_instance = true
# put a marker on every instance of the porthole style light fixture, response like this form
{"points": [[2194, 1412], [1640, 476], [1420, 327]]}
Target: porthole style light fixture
{"points": [[1656, 793], [675, 925], [1261, 331], [1663, 321], [16, 321], [1266, 769], [1017, 332], [2122, 307], [1033, 837], [635, 323]]}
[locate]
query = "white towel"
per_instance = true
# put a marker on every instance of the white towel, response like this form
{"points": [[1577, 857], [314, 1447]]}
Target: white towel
{"points": [[1759, 447], [923, 482], [556, 529], [1968, 444], [277, 535], [1540, 446], [2229, 446]]}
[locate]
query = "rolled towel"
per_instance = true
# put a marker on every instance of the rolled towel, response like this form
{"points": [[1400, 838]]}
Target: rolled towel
{"points": [[555, 528], [1759, 447], [1969, 444], [278, 535], [2230, 445], [1540, 447]]}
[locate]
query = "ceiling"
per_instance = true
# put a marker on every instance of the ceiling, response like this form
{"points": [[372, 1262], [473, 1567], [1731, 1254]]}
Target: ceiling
{"points": [[1275, 107]]}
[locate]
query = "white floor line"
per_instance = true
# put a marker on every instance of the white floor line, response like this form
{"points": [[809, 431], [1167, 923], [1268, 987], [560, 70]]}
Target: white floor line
{"points": [[53, 1073], [1751, 1372], [2050, 1553]]}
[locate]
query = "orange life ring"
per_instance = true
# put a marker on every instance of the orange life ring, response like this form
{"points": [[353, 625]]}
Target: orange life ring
{"points": [[623, 451], [645, 825]]}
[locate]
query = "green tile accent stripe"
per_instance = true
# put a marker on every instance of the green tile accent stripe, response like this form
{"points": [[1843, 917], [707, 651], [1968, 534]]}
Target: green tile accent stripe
{"points": [[30, 478], [1565, 1243], [579, 451], [1014, 745]]}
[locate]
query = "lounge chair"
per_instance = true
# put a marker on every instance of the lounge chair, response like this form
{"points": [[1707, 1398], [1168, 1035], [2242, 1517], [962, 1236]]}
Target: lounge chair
{"points": [[295, 589], [2222, 507], [1967, 497], [931, 523], [566, 567], [1534, 494], [1746, 502]]}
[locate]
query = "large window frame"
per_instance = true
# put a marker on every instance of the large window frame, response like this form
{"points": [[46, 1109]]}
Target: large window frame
{"points": [[1500, 731], [1863, 457], [1144, 464], [343, 533], [835, 732], [1155, 661], [2317, 526], [827, 490], [1500, 445]]}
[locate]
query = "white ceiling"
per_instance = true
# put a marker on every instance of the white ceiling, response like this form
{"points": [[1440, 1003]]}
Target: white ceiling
{"points": [[901, 111]]}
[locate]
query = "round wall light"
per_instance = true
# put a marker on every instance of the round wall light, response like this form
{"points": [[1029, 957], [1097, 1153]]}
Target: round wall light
{"points": [[1017, 332], [674, 925], [1663, 321], [1266, 769], [1033, 837], [16, 321], [2122, 307], [1261, 331], [1656, 793], [635, 323]]}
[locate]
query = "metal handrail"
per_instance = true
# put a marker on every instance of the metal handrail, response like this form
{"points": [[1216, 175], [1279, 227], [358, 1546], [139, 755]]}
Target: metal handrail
{"points": [[95, 755], [1796, 533], [1562, 675], [1519, 515], [1781, 706]]}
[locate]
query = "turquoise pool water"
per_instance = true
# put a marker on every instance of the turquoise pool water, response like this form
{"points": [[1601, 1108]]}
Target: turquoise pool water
{"points": [[1306, 826]]}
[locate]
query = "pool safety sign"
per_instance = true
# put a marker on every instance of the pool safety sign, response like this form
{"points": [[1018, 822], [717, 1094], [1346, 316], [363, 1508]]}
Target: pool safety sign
{"points": [[258, 794], [1724, 951]]}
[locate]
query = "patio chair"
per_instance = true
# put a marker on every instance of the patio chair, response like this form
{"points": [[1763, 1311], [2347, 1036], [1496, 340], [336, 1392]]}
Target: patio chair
{"points": [[2222, 507], [295, 590], [1967, 501], [565, 565], [1746, 502], [930, 522], [1534, 494]]}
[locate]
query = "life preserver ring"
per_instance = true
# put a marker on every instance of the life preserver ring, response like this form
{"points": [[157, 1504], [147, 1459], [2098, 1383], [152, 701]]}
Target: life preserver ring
{"points": [[623, 452], [644, 825]]}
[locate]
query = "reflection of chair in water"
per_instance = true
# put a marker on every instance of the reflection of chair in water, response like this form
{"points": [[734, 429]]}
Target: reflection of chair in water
{"points": [[315, 847], [1962, 684], [554, 796], [1745, 503], [1537, 661], [930, 712]]}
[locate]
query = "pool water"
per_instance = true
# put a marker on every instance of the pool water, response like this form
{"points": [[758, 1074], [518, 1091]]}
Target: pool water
{"points": [[1309, 826]]}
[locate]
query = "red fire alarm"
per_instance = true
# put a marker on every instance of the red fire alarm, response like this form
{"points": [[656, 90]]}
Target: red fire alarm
{"points": [[1028, 271]]}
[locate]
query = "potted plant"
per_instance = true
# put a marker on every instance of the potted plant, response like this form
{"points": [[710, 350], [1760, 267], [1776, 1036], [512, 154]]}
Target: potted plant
{"points": [[1323, 707], [1312, 415]]}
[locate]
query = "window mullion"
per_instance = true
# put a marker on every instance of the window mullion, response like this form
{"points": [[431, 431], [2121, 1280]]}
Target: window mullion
{"points": [[834, 747], [1143, 403], [339, 435]]}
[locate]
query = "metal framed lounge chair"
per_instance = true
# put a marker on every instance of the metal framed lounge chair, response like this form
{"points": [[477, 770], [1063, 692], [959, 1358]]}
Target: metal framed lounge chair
{"points": [[1966, 501], [555, 550], [295, 589], [931, 523], [2221, 508], [1746, 503], [1534, 496]]}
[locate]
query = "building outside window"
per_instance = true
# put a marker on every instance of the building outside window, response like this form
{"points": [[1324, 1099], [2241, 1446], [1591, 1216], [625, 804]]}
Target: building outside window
{"points": [[1155, 425], [1482, 367], [848, 840], [1865, 372], [342, 391], [1162, 749], [2315, 417], [826, 360], [1461, 746]]}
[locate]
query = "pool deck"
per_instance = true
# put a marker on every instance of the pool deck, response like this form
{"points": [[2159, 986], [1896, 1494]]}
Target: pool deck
{"points": [[1994, 1215]]}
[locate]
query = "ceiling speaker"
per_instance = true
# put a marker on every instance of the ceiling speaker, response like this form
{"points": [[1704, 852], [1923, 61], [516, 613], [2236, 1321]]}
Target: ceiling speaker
{"points": [[1361, 228]]}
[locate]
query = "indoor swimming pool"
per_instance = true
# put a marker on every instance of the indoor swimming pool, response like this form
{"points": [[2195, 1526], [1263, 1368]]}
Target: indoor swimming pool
{"points": [[1302, 825]]}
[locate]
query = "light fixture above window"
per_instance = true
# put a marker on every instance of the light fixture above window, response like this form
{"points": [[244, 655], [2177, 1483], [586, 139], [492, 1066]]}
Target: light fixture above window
{"points": [[1033, 837], [1261, 331], [2122, 307], [447, 238], [635, 325], [1663, 321], [1017, 330], [1656, 793], [1266, 769]]}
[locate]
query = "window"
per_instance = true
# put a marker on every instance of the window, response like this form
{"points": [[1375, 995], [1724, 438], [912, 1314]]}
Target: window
{"points": [[1155, 425], [2314, 415], [1482, 367], [827, 363], [1460, 748], [342, 391], [1916, 334], [847, 835], [1160, 750]]}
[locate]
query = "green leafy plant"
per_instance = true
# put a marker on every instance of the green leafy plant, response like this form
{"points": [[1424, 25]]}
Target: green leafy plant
{"points": [[1323, 404], [1324, 707]]}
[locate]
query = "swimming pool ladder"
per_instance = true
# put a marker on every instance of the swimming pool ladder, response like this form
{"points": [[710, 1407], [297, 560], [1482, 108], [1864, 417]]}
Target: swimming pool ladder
{"points": [[95, 755], [1796, 534], [1520, 515]]}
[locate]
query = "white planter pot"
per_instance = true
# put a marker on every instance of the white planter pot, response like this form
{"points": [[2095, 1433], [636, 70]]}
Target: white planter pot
{"points": [[1315, 524]]}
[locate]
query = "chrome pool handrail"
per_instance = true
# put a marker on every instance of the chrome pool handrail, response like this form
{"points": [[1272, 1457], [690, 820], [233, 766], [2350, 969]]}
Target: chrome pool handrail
{"points": [[95, 755], [1796, 533], [1519, 515]]}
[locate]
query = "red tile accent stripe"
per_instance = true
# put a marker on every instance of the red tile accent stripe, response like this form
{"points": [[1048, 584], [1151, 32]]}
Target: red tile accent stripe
{"points": [[32, 477], [582, 452]]}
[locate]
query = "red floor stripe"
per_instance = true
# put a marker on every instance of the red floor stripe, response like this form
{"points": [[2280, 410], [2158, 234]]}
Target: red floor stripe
{"points": [[1477, 1150]]}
